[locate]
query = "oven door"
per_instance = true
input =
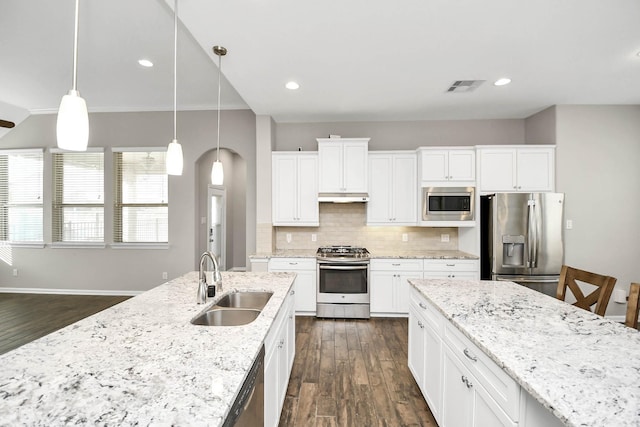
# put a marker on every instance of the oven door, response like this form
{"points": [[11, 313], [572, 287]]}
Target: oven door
{"points": [[343, 283]]}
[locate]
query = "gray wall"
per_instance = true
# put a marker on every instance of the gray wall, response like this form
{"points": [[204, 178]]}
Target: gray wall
{"points": [[403, 135], [597, 166], [122, 270], [541, 127]]}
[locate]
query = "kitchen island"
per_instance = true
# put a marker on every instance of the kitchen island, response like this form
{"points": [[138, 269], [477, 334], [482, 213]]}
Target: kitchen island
{"points": [[581, 367], [140, 362]]}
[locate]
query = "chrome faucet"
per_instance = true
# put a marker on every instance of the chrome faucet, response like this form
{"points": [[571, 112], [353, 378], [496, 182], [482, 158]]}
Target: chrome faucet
{"points": [[203, 287]]}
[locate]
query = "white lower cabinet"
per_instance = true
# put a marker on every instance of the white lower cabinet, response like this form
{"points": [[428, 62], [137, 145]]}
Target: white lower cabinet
{"points": [[452, 269], [389, 286], [305, 282], [279, 354]]}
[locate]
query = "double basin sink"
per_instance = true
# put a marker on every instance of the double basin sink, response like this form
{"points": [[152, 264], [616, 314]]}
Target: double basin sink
{"points": [[235, 309]]}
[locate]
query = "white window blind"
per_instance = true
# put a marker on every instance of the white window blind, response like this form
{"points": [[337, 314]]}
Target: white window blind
{"points": [[21, 175], [141, 211], [78, 199]]}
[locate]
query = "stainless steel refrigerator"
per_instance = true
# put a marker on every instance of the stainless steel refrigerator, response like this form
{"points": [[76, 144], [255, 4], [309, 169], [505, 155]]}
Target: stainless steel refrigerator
{"points": [[521, 239]]}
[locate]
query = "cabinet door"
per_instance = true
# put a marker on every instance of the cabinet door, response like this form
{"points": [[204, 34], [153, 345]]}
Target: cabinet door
{"points": [[462, 165], [486, 411], [498, 169], [416, 360], [434, 165], [458, 394], [330, 164], [380, 189], [291, 337], [355, 167], [432, 389], [401, 290], [271, 405], [307, 190], [404, 193], [284, 181], [381, 289], [535, 169], [305, 297]]}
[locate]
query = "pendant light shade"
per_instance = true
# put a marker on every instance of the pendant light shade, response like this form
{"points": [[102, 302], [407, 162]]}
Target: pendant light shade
{"points": [[174, 151], [217, 172], [72, 127]]}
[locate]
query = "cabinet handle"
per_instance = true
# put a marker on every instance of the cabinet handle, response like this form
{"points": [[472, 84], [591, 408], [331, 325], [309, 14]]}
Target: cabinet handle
{"points": [[292, 293], [469, 355], [293, 263], [451, 265], [395, 265], [420, 324], [466, 381], [424, 307]]}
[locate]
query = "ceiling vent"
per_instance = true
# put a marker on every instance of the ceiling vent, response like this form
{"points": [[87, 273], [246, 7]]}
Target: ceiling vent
{"points": [[464, 86]]}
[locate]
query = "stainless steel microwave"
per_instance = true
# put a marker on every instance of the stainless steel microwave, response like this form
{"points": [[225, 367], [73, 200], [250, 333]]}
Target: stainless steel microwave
{"points": [[448, 203]]}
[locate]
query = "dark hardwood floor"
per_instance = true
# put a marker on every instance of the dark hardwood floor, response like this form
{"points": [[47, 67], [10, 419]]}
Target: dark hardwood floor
{"points": [[353, 373], [26, 317], [345, 373]]}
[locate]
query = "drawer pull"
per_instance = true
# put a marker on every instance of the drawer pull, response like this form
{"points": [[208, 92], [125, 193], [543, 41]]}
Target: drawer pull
{"points": [[469, 355], [292, 292], [396, 265], [420, 324], [293, 263], [422, 306], [466, 381], [451, 265]]}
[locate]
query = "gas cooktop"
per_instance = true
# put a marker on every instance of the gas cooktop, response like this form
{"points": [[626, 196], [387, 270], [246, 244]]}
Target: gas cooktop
{"points": [[342, 252]]}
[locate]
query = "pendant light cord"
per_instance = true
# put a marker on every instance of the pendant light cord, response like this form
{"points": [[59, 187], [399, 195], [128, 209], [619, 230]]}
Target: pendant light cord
{"points": [[75, 49], [219, 76], [175, 70]]}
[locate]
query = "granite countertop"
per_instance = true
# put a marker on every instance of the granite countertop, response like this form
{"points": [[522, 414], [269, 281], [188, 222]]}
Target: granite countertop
{"points": [[140, 362], [426, 254], [581, 366]]}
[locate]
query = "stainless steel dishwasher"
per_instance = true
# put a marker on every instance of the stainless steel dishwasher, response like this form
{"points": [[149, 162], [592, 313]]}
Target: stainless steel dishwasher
{"points": [[248, 408]]}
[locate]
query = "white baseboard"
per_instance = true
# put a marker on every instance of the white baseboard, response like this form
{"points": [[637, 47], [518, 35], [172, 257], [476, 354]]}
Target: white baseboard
{"points": [[102, 292]]}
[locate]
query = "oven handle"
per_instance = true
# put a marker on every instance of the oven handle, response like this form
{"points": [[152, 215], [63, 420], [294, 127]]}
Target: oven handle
{"points": [[342, 267]]}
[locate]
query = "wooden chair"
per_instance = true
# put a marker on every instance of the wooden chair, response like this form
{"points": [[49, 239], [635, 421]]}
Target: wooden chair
{"points": [[632, 306], [600, 296]]}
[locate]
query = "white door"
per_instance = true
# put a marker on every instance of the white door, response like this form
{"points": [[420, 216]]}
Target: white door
{"points": [[216, 224]]}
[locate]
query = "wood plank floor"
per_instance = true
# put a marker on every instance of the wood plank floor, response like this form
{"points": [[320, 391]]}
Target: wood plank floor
{"points": [[353, 373], [26, 317]]}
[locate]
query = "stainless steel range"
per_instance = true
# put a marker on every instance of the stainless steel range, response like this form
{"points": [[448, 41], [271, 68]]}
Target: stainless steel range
{"points": [[343, 282]]}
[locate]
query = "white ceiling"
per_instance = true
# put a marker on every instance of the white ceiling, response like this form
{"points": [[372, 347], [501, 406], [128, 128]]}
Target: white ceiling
{"points": [[354, 59]]}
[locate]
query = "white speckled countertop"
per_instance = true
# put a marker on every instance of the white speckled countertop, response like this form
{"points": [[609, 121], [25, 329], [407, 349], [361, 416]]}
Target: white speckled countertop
{"points": [[426, 254], [583, 367], [140, 362]]}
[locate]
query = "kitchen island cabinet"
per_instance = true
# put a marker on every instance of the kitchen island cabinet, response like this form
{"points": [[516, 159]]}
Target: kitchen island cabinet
{"points": [[513, 356], [140, 362]]}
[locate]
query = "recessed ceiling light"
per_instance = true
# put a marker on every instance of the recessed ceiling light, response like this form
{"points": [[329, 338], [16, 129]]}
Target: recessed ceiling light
{"points": [[292, 85], [501, 82], [145, 63]]}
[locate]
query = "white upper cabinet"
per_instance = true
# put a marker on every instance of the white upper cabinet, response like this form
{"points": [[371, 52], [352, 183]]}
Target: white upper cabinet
{"points": [[342, 165], [295, 189], [523, 168], [393, 197], [444, 165]]}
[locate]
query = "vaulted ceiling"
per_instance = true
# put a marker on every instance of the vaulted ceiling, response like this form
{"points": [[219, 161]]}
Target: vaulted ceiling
{"points": [[353, 60]]}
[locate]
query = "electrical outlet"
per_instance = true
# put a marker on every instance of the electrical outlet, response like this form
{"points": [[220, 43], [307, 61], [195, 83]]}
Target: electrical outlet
{"points": [[15, 272], [314, 237], [444, 238], [405, 237], [164, 275], [288, 237], [569, 224]]}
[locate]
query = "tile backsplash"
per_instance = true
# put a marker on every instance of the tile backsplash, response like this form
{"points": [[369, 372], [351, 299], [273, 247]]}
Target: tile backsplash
{"points": [[346, 224]]}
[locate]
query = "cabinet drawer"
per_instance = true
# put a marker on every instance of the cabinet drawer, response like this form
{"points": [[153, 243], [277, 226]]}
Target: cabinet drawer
{"points": [[428, 312], [379, 264], [292, 264], [451, 265], [500, 386]]}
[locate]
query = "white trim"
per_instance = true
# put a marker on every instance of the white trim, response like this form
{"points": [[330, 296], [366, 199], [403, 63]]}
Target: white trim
{"points": [[69, 291], [34, 245], [88, 150], [78, 245], [138, 149], [22, 150], [139, 245]]}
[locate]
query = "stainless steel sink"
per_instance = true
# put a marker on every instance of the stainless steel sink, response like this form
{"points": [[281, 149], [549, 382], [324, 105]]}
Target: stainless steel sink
{"points": [[226, 317], [255, 300]]}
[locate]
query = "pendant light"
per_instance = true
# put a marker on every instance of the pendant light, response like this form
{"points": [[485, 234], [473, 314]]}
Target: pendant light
{"points": [[217, 173], [174, 151], [72, 127]]}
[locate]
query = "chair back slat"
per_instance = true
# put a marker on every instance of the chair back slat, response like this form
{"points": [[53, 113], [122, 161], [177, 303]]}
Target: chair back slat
{"points": [[569, 278], [631, 319]]}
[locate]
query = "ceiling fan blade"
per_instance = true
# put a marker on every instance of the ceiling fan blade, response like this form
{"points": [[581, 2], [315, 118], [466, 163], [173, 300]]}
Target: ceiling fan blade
{"points": [[6, 124]]}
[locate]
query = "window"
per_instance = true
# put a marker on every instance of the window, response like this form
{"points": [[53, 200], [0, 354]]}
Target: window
{"points": [[141, 187], [21, 174], [78, 196]]}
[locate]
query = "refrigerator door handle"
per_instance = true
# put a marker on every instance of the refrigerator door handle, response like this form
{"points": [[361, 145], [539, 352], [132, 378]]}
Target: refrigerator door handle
{"points": [[531, 234], [536, 224], [525, 279]]}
